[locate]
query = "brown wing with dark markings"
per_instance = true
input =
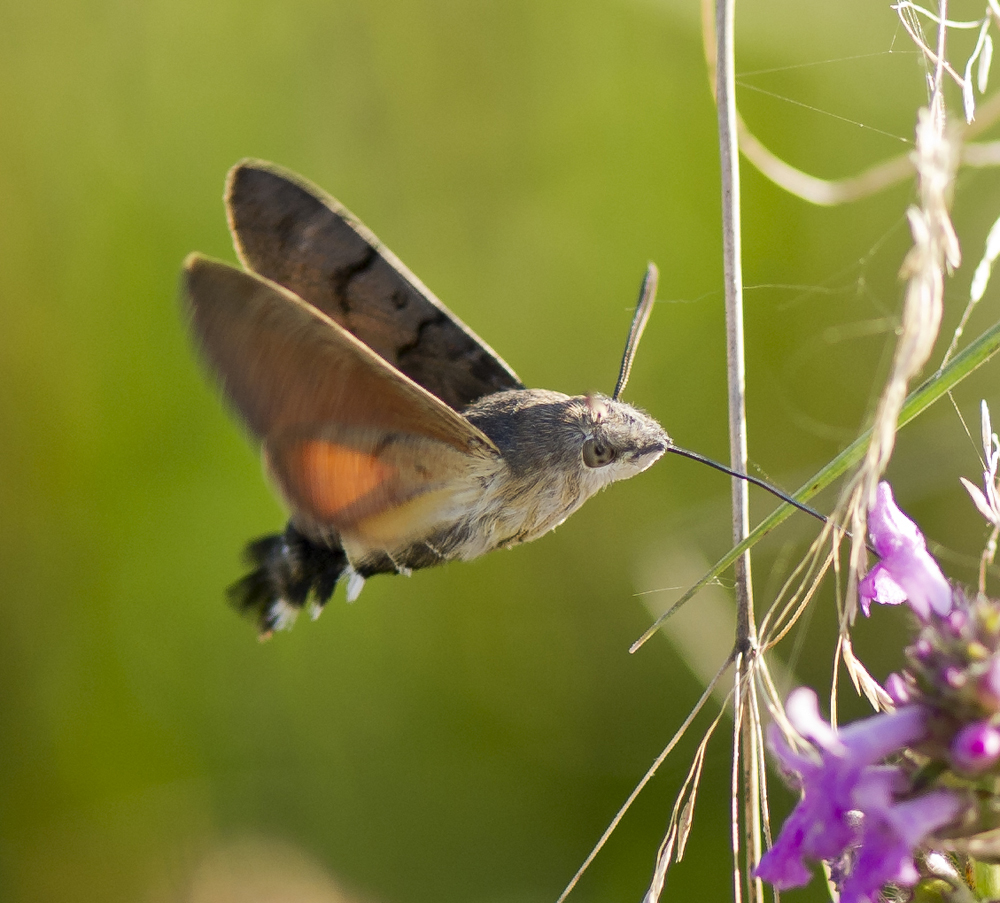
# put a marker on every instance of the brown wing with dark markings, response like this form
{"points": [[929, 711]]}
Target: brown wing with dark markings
{"points": [[346, 436], [295, 234]]}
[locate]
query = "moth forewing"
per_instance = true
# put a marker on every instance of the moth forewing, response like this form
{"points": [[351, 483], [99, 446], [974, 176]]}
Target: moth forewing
{"points": [[293, 233], [287, 367]]}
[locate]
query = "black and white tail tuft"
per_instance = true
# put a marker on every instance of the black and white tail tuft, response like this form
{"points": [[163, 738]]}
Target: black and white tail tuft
{"points": [[289, 570]]}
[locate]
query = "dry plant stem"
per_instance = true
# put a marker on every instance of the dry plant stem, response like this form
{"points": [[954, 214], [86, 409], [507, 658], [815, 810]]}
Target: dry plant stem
{"points": [[753, 778], [739, 716], [823, 192], [989, 553], [758, 725], [987, 113], [745, 783], [831, 192], [798, 601], [744, 757], [941, 65], [681, 818], [733, 277], [981, 155], [647, 777], [789, 605], [940, 62]]}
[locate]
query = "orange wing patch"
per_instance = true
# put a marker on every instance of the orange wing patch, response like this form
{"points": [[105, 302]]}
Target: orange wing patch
{"points": [[331, 477]]}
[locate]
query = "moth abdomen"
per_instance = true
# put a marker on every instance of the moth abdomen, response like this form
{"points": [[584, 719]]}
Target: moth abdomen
{"points": [[289, 570]]}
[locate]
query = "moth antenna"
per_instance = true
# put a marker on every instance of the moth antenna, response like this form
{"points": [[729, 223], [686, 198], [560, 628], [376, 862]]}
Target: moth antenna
{"points": [[694, 456], [647, 295]]}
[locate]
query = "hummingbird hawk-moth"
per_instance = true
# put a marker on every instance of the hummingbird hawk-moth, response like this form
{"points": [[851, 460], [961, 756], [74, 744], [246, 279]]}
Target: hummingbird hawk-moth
{"points": [[397, 438]]}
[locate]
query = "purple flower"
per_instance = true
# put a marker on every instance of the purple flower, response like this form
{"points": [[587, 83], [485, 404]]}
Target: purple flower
{"points": [[906, 572], [890, 832], [975, 747], [848, 809]]}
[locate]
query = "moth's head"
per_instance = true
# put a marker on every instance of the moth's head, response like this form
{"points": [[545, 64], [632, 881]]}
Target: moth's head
{"points": [[617, 440]]}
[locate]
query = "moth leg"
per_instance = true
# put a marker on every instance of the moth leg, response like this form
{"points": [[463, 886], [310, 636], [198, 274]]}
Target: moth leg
{"points": [[435, 551], [288, 570], [400, 569], [355, 583]]}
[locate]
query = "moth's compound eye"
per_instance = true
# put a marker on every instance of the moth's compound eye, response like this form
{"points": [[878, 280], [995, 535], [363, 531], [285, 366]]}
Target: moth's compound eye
{"points": [[597, 453]]}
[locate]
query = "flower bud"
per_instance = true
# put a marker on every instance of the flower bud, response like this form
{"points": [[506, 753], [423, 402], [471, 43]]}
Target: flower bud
{"points": [[897, 689], [956, 621], [954, 677], [976, 747], [989, 687]]}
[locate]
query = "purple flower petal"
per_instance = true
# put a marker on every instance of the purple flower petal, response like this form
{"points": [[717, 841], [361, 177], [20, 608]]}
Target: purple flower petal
{"points": [[783, 865], [872, 739], [802, 709], [921, 579], [878, 586], [821, 826], [890, 529], [890, 833], [843, 791], [906, 565]]}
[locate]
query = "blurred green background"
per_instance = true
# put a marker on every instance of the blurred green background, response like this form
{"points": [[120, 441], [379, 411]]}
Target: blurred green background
{"points": [[466, 734]]}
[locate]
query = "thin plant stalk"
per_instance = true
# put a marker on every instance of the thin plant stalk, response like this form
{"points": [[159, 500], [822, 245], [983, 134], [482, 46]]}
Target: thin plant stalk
{"points": [[745, 764], [733, 278]]}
